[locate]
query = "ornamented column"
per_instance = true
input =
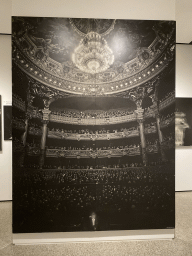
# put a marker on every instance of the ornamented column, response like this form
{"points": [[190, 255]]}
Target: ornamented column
{"points": [[140, 118], [28, 102], [163, 155], [24, 136], [46, 113], [24, 139], [158, 121]]}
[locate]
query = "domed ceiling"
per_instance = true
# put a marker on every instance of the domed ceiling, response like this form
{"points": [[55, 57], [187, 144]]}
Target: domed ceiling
{"points": [[92, 56]]}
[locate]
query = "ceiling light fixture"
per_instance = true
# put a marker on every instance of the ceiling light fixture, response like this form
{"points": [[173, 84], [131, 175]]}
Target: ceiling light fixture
{"points": [[93, 54]]}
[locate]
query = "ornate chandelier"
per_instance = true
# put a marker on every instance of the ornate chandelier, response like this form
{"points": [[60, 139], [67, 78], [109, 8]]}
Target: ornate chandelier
{"points": [[93, 54]]}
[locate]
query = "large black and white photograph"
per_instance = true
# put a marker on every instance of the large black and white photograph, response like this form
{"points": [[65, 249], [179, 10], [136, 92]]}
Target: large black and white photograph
{"points": [[7, 122], [183, 122], [93, 124]]}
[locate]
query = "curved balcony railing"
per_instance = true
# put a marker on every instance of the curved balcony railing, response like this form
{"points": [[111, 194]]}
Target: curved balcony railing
{"points": [[18, 103], [89, 153], [33, 112], [86, 136], [93, 153], [93, 121], [102, 136], [93, 137], [167, 102]]}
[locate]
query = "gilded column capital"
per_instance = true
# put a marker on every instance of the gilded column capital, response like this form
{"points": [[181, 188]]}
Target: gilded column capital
{"points": [[46, 115], [140, 115]]}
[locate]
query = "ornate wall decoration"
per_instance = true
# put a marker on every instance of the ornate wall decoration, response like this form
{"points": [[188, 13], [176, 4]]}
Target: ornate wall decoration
{"points": [[100, 26], [45, 65]]}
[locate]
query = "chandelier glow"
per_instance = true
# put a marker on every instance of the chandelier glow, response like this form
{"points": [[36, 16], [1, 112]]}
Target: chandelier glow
{"points": [[93, 54]]}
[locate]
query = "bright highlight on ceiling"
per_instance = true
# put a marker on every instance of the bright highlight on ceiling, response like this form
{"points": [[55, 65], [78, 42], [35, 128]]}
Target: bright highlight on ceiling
{"points": [[93, 55]]}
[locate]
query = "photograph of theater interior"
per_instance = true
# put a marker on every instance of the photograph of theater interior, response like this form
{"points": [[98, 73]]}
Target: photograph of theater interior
{"points": [[93, 124]]}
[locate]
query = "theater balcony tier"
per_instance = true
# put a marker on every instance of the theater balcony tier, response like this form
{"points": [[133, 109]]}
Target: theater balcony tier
{"points": [[58, 118], [92, 153], [89, 153], [57, 134], [103, 175]]}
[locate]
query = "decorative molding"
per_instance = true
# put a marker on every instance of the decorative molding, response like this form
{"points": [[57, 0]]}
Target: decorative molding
{"points": [[167, 102], [93, 137], [84, 26], [150, 61], [92, 121], [92, 153], [33, 112]]}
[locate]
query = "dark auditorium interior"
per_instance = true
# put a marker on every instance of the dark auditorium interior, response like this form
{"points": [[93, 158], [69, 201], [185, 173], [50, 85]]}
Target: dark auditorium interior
{"points": [[93, 124]]}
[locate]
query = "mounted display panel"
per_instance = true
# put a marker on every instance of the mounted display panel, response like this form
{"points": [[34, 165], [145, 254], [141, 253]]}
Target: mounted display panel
{"points": [[93, 127], [183, 123], [7, 122]]}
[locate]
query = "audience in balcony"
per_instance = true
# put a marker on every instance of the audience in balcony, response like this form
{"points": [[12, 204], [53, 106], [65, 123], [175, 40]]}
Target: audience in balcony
{"points": [[93, 114], [86, 147], [64, 191], [90, 132]]}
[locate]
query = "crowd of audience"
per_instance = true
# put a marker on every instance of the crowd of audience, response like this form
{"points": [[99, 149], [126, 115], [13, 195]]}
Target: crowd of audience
{"points": [[43, 178], [88, 131], [68, 192], [87, 167], [58, 166], [92, 114], [85, 147]]}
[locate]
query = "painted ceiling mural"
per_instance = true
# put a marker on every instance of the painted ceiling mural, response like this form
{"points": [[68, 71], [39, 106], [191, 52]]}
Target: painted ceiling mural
{"points": [[92, 56]]}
